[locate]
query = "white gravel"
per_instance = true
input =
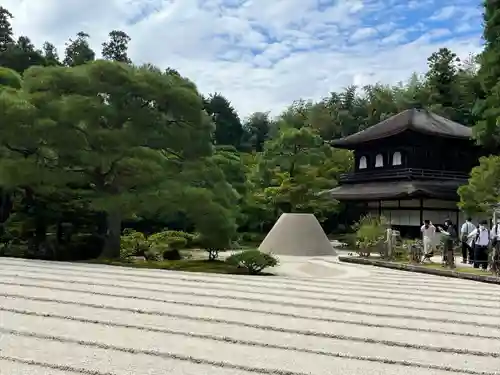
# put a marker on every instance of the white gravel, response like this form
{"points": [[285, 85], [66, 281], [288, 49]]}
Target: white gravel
{"points": [[61, 318], [177, 344], [298, 296], [286, 305], [484, 306], [316, 287]]}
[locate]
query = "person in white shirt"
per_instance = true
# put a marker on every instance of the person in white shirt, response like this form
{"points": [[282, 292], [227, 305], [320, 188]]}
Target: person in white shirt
{"points": [[481, 237], [467, 250], [428, 233]]}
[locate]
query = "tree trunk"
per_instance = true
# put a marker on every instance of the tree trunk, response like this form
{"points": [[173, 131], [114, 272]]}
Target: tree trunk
{"points": [[112, 243], [40, 240], [5, 206]]}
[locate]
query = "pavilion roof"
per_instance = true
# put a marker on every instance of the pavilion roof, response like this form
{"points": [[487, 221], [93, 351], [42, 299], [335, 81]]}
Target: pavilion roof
{"points": [[418, 120]]}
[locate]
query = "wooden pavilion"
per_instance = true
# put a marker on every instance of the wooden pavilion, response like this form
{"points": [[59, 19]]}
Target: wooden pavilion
{"points": [[408, 168]]}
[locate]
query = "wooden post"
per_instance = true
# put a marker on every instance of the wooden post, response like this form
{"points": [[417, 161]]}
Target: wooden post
{"points": [[389, 242], [421, 211]]}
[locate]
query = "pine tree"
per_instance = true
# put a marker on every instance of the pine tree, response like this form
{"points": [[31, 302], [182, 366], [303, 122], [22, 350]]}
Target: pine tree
{"points": [[50, 54], [78, 51], [487, 129], [117, 46], [6, 34]]}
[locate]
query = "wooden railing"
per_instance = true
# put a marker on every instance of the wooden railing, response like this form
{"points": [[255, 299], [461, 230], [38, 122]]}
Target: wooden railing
{"points": [[401, 174]]}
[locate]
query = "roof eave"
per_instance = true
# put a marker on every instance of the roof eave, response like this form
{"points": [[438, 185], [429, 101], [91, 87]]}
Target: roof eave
{"points": [[347, 144]]}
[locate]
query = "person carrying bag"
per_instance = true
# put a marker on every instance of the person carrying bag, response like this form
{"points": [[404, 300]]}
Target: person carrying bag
{"points": [[450, 237], [467, 250], [481, 242]]}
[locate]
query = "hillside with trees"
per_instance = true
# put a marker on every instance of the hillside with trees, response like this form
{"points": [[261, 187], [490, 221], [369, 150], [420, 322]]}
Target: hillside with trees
{"points": [[91, 147]]}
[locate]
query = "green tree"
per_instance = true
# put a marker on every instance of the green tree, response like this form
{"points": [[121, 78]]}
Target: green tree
{"points": [[228, 127], [78, 51], [487, 130], [6, 33], [27, 161], [117, 46], [50, 54], [414, 93], [442, 79], [229, 160], [119, 130], [295, 168], [257, 127], [483, 189], [24, 54]]}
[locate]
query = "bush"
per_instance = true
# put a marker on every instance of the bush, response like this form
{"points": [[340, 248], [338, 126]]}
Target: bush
{"points": [[370, 234], [164, 244], [152, 256], [10, 78], [133, 244], [176, 243], [254, 261], [187, 237], [172, 254], [251, 237], [166, 241]]}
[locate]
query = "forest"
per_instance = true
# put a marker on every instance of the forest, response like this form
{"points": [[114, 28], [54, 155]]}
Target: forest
{"points": [[91, 146]]}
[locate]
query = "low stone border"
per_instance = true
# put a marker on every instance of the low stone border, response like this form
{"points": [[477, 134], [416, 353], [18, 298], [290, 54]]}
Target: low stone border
{"points": [[421, 269]]}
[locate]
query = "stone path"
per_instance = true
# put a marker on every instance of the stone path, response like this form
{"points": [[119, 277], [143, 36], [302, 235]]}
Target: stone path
{"points": [[318, 317]]}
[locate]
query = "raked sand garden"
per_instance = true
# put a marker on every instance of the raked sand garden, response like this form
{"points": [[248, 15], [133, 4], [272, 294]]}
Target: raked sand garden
{"points": [[316, 317]]}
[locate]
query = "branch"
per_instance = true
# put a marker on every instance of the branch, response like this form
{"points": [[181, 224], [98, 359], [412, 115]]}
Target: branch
{"points": [[166, 152], [112, 166], [24, 152], [85, 135]]}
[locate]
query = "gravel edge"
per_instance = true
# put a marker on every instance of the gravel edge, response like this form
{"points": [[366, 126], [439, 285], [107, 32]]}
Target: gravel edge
{"points": [[420, 269]]}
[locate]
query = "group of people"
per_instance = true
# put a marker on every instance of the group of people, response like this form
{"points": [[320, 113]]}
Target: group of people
{"points": [[476, 242]]}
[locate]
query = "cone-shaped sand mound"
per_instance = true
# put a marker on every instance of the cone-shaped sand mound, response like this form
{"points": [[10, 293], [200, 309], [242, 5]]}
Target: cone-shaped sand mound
{"points": [[297, 234]]}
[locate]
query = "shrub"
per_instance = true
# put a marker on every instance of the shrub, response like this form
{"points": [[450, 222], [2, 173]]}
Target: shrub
{"points": [[370, 234], [174, 244], [10, 78], [133, 244], [254, 261], [251, 237], [188, 237], [172, 254], [164, 244], [167, 240], [152, 256]]}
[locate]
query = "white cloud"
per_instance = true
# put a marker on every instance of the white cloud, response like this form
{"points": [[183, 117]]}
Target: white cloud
{"points": [[363, 33], [445, 13], [263, 54]]}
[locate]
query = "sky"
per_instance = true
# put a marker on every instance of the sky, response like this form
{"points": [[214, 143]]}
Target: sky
{"points": [[262, 55]]}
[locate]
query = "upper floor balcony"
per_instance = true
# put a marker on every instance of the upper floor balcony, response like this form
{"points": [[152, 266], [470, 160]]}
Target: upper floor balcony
{"points": [[402, 174]]}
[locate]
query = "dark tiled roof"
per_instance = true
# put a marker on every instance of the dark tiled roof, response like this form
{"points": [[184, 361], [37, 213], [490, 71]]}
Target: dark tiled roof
{"points": [[393, 190], [418, 120]]}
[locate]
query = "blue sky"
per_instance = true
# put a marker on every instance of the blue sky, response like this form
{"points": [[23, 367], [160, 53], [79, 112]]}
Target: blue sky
{"points": [[262, 54]]}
